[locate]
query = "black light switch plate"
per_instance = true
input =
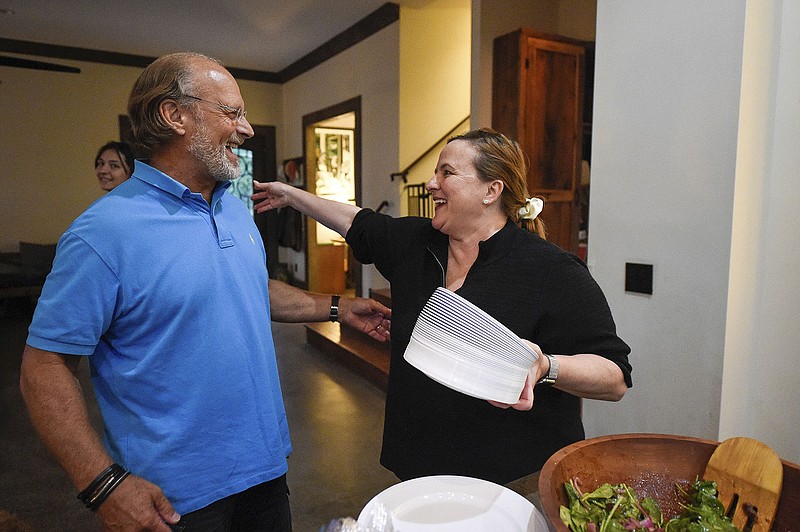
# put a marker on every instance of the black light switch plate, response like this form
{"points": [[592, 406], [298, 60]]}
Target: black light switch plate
{"points": [[639, 278]]}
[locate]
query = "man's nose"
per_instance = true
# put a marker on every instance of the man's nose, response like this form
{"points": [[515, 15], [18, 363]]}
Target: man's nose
{"points": [[244, 128]]}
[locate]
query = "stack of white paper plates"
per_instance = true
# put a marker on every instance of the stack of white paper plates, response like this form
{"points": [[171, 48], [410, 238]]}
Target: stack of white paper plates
{"points": [[459, 345]]}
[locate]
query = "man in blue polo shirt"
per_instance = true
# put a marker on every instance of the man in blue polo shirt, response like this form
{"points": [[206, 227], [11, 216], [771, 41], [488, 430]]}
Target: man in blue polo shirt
{"points": [[162, 285]]}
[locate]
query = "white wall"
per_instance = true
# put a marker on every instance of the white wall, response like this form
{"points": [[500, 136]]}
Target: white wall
{"points": [[666, 100], [762, 360], [369, 69]]}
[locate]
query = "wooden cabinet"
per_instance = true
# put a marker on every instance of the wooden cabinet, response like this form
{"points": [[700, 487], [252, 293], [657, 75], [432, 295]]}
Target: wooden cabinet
{"points": [[538, 90]]}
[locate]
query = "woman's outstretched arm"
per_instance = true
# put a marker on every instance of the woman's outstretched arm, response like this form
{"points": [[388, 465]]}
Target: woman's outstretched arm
{"points": [[332, 214]]}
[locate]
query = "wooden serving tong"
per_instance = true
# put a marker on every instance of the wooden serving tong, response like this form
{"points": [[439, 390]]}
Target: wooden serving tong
{"points": [[749, 477]]}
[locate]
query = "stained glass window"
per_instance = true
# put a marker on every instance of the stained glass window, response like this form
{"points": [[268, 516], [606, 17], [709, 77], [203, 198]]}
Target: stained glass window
{"points": [[242, 187]]}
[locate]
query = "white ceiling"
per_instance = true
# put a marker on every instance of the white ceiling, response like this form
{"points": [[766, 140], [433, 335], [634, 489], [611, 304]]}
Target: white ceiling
{"points": [[265, 35]]}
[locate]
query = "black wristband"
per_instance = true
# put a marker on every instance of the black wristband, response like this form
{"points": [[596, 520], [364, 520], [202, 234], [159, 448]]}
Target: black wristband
{"points": [[86, 494], [102, 486], [110, 486], [334, 314]]}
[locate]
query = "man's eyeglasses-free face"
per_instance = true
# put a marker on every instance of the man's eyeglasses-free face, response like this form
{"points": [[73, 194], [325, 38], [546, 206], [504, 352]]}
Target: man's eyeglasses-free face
{"points": [[237, 115]]}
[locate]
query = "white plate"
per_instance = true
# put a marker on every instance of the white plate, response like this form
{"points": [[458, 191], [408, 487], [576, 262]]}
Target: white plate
{"points": [[454, 504]]}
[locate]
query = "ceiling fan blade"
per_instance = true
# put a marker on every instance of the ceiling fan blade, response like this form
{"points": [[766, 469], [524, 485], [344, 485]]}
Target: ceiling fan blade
{"points": [[36, 65]]}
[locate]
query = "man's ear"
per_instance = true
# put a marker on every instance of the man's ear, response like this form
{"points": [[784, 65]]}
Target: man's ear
{"points": [[173, 115]]}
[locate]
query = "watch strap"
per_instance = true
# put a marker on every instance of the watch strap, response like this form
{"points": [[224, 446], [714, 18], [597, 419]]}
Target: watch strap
{"points": [[334, 313], [552, 372]]}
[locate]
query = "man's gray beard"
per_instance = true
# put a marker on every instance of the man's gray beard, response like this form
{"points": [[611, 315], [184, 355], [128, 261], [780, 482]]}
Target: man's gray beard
{"points": [[215, 158]]}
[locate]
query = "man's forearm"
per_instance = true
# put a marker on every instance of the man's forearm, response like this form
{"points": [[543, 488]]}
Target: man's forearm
{"points": [[58, 411], [290, 304]]}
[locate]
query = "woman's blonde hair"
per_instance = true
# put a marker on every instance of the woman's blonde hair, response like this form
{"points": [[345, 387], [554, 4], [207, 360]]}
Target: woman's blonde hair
{"points": [[498, 157]]}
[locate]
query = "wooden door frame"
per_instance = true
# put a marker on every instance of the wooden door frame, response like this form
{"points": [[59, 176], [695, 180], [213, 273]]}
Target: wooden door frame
{"points": [[353, 106]]}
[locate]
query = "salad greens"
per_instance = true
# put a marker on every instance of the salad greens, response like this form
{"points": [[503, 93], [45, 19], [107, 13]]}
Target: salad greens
{"points": [[617, 508]]}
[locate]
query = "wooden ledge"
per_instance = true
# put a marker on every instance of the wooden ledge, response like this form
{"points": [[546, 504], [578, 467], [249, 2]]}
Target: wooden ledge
{"points": [[354, 350]]}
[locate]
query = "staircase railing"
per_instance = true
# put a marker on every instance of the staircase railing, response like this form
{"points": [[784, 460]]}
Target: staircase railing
{"points": [[404, 173], [419, 201]]}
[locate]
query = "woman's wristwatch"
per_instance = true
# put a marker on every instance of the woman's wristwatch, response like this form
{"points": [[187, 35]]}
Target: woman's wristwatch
{"points": [[552, 372]]}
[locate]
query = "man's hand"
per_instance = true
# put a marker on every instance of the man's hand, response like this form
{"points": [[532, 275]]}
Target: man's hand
{"points": [[137, 504], [367, 316]]}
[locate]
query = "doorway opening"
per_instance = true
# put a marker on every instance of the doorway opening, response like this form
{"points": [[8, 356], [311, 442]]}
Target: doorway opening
{"points": [[332, 156], [259, 152]]}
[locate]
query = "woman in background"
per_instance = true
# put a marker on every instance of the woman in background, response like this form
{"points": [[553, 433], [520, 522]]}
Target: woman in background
{"points": [[113, 164], [484, 243]]}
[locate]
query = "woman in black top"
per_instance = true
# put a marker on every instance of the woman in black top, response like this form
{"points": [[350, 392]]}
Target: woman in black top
{"points": [[485, 244]]}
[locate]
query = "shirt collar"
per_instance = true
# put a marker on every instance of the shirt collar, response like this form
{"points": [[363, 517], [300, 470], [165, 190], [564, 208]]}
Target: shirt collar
{"points": [[499, 241], [157, 178]]}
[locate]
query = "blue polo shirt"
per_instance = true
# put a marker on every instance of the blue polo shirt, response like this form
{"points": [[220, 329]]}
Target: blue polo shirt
{"points": [[167, 296]]}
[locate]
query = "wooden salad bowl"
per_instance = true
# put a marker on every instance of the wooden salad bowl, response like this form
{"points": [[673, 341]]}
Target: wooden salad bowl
{"points": [[651, 464]]}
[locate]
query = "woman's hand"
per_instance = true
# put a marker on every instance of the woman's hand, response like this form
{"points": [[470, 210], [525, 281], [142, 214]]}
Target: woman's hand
{"points": [[535, 372], [526, 397], [271, 195]]}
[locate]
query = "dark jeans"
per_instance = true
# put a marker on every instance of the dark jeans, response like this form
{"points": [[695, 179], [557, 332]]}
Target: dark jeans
{"points": [[262, 508]]}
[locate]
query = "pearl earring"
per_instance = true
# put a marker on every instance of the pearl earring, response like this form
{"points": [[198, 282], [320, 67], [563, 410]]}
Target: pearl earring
{"points": [[485, 201]]}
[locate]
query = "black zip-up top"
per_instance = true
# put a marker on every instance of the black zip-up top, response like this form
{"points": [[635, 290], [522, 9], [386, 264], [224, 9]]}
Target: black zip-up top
{"points": [[534, 288]]}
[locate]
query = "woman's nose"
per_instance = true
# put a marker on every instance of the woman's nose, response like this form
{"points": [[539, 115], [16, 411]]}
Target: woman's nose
{"points": [[431, 183]]}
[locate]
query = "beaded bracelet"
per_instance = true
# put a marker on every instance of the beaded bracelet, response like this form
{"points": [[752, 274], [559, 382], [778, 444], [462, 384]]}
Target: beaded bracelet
{"points": [[102, 486]]}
